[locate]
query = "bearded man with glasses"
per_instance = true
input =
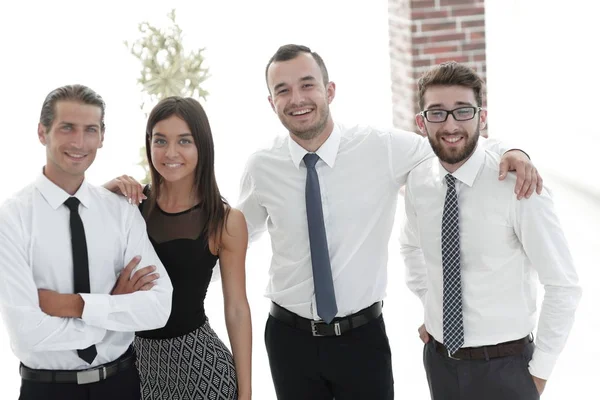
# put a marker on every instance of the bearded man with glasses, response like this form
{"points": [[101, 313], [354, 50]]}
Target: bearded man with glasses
{"points": [[473, 255]]}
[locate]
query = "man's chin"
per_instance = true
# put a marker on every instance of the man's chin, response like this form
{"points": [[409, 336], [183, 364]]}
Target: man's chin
{"points": [[76, 169], [304, 135], [452, 157]]}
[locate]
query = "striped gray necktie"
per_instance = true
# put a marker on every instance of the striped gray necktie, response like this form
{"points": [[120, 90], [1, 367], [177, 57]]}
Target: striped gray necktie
{"points": [[454, 336], [319, 252]]}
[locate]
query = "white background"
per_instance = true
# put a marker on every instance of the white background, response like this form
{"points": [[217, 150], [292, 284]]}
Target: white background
{"points": [[542, 97]]}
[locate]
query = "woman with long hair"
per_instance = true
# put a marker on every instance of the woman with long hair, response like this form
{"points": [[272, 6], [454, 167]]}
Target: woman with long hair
{"points": [[191, 226]]}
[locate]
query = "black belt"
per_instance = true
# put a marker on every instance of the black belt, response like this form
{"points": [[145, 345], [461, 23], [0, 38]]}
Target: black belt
{"points": [[337, 327], [512, 348], [81, 377]]}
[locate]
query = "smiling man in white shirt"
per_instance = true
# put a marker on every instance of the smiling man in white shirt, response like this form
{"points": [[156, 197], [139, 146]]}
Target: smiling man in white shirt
{"points": [[69, 306], [327, 195], [474, 253]]}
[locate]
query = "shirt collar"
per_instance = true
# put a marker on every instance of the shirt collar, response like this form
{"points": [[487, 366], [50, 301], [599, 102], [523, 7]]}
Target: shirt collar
{"points": [[327, 152], [467, 172], [56, 196]]}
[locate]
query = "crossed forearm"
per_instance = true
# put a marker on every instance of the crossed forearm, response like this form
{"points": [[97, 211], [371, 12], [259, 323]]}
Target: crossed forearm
{"points": [[61, 305]]}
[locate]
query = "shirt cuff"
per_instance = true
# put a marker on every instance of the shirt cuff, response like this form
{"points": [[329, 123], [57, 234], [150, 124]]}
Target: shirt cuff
{"points": [[542, 363], [95, 309]]}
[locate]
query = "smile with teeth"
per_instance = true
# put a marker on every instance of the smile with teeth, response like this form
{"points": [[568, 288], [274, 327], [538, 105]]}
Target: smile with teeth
{"points": [[451, 139], [301, 112], [73, 155], [172, 165]]}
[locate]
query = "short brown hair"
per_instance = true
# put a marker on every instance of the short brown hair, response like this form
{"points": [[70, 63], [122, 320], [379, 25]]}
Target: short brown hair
{"points": [[449, 74], [289, 52], [77, 93]]}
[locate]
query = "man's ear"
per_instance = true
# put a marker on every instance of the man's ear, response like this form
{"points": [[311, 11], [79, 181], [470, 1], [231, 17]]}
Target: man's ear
{"points": [[420, 120], [330, 92], [42, 133], [271, 103], [101, 139], [482, 119]]}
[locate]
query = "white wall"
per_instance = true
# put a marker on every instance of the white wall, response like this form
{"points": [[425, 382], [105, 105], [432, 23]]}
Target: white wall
{"points": [[543, 83]]}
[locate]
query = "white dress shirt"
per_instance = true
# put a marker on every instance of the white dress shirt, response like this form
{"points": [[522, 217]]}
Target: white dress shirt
{"points": [[360, 172], [506, 244], [35, 253]]}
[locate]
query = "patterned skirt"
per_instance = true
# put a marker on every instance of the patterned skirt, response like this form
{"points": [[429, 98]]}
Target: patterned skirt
{"points": [[195, 366]]}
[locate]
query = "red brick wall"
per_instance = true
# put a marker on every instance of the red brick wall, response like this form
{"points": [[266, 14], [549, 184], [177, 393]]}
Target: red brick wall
{"points": [[427, 32]]}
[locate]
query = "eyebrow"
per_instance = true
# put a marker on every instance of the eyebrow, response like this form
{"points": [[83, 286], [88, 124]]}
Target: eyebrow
{"points": [[458, 103], [73, 124], [303, 79], [162, 135]]}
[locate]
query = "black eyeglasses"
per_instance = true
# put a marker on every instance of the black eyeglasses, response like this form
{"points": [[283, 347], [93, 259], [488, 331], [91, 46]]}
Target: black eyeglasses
{"points": [[459, 114]]}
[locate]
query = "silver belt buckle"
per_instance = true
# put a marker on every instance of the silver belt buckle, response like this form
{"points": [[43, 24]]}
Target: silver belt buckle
{"points": [[315, 332], [91, 376], [313, 327]]}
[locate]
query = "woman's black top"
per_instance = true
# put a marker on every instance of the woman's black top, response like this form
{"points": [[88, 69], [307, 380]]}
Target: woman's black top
{"points": [[184, 252]]}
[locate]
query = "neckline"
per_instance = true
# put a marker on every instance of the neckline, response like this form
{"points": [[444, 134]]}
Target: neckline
{"points": [[179, 212]]}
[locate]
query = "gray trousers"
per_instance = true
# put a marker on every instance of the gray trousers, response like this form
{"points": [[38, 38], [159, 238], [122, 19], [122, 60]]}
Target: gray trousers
{"points": [[505, 378]]}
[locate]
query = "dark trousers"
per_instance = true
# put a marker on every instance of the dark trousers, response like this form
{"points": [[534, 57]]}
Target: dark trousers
{"points": [[354, 366], [504, 378], [123, 386]]}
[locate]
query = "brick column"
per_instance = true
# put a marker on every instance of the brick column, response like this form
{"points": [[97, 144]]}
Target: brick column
{"points": [[425, 33]]}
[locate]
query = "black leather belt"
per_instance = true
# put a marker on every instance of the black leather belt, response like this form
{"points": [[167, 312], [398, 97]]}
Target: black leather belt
{"points": [[80, 377], [512, 348], [337, 327]]}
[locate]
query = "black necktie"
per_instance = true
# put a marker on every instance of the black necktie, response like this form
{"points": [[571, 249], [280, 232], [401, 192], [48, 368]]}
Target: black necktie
{"points": [[81, 271], [319, 252]]}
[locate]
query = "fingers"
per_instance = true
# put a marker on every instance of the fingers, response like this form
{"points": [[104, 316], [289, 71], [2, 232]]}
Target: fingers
{"points": [[131, 189], [540, 182], [528, 178], [122, 188], [524, 174], [136, 190], [146, 282], [423, 334], [126, 273], [147, 286], [503, 169], [142, 272], [533, 185], [521, 178]]}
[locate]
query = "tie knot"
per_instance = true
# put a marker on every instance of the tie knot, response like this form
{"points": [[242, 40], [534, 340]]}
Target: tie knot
{"points": [[310, 160], [450, 180], [72, 203]]}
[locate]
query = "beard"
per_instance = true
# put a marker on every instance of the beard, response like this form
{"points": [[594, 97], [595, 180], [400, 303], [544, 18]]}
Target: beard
{"points": [[454, 155], [306, 132]]}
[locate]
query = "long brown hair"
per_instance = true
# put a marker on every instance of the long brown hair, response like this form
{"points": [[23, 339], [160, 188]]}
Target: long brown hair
{"points": [[215, 207]]}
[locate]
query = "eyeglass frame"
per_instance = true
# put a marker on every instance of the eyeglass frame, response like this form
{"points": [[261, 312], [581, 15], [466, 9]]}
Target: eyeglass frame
{"points": [[448, 112]]}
